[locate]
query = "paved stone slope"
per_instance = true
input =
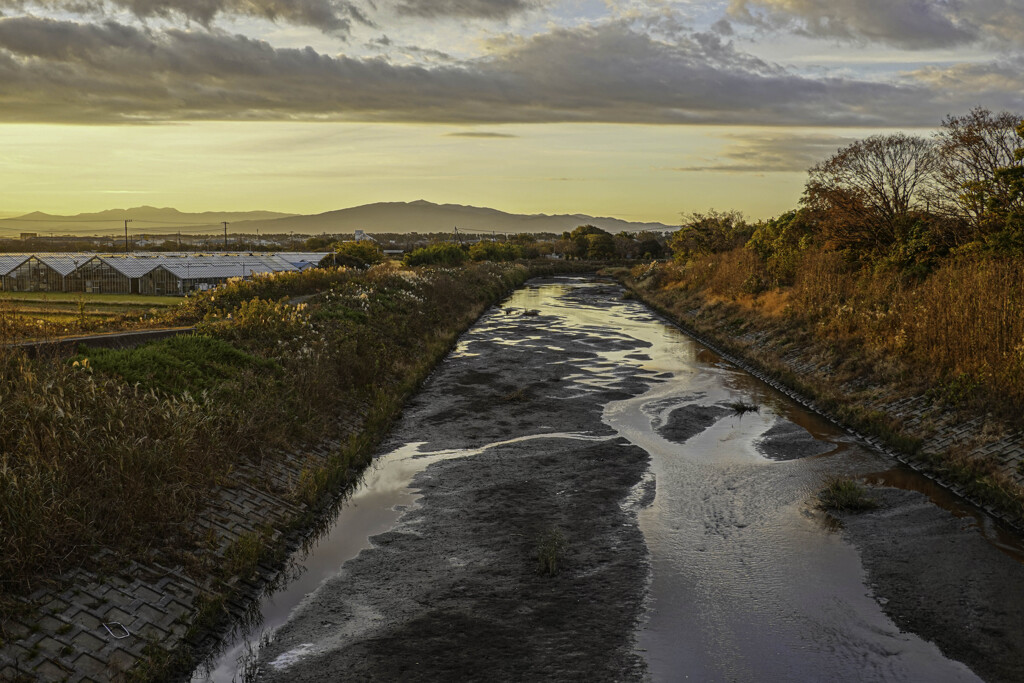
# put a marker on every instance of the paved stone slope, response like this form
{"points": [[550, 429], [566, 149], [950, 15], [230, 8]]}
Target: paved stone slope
{"points": [[102, 625]]}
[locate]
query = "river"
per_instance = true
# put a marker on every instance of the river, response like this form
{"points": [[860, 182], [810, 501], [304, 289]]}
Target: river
{"points": [[684, 490]]}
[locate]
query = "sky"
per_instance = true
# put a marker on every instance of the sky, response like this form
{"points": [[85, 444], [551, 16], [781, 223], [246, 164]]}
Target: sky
{"points": [[638, 109]]}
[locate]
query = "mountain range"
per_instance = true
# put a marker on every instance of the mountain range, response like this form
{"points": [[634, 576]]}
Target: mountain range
{"points": [[396, 217]]}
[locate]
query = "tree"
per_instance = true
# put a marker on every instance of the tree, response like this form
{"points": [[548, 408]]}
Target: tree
{"points": [[317, 242], [1008, 206], [870, 193], [779, 242], [709, 233], [971, 150], [354, 255], [650, 245], [489, 250], [600, 246], [441, 254]]}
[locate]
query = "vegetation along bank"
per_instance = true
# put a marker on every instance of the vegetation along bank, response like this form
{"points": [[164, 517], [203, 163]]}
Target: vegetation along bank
{"points": [[133, 463], [893, 297]]}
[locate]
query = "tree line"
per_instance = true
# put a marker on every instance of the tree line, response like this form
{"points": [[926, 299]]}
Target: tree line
{"points": [[898, 199]]}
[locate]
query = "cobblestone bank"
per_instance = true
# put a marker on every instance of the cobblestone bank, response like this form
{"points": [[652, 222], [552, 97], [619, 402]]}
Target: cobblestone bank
{"points": [[769, 356], [123, 624]]}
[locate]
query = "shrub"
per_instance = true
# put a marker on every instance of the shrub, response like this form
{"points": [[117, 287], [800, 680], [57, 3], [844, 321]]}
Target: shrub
{"points": [[843, 494], [444, 254], [354, 254], [495, 251]]}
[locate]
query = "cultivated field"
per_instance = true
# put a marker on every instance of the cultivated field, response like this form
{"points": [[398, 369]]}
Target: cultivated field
{"points": [[49, 314]]}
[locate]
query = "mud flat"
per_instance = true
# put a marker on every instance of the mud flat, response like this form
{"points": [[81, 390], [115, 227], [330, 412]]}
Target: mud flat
{"points": [[689, 544]]}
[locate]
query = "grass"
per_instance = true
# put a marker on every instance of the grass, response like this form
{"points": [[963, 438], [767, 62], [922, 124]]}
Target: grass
{"points": [[515, 396], [843, 494], [951, 339], [123, 451], [92, 299], [184, 363], [741, 407], [33, 315], [550, 550]]}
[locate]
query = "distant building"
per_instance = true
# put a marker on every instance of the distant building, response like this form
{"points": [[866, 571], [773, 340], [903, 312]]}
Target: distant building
{"points": [[141, 272], [363, 237], [29, 235]]}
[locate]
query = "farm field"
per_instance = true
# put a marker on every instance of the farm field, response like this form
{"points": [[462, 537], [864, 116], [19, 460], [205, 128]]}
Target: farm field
{"points": [[80, 312]]}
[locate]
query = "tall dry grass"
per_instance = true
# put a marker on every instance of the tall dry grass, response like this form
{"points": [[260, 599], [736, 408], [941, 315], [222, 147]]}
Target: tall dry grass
{"points": [[959, 330], [89, 460]]}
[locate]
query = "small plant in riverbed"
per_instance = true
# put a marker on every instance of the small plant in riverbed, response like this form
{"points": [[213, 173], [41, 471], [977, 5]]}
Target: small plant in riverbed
{"points": [[843, 494], [740, 407], [549, 551], [516, 396]]}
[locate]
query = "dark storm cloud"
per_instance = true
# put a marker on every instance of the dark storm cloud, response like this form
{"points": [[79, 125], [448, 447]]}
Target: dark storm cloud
{"points": [[332, 16], [912, 24], [64, 71], [481, 9]]}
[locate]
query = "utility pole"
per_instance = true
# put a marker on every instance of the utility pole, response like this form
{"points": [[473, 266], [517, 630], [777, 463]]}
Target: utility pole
{"points": [[126, 222], [225, 235]]}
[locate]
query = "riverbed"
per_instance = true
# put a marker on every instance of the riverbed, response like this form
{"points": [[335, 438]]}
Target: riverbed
{"points": [[681, 494]]}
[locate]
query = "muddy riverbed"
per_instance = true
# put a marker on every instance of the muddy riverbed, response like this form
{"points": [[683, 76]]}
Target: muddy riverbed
{"points": [[688, 543]]}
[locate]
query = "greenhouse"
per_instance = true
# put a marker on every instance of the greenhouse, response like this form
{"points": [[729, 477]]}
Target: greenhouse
{"points": [[158, 273]]}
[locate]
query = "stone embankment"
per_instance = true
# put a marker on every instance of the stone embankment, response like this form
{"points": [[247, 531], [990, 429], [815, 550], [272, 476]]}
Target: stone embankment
{"points": [[914, 428], [114, 620], [136, 621]]}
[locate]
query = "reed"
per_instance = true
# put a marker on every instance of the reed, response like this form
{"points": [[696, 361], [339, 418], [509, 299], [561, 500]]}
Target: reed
{"points": [[121, 449]]}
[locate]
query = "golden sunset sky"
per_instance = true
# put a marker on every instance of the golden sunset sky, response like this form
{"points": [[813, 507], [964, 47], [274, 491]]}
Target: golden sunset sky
{"points": [[636, 109]]}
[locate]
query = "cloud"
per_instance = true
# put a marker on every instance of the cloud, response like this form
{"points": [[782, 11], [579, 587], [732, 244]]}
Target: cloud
{"points": [[911, 24], [772, 152], [331, 16], [1006, 75], [63, 71], [480, 9], [479, 134]]}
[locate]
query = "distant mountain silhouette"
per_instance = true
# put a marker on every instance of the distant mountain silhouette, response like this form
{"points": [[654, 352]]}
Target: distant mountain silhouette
{"points": [[143, 219], [423, 216], [398, 217]]}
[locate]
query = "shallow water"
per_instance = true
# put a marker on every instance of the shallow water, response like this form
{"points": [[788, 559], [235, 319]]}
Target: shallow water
{"points": [[373, 508], [748, 582]]}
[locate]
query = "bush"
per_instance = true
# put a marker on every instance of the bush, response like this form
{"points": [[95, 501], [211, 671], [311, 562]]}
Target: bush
{"points": [[495, 251], [361, 254], [444, 254]]}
